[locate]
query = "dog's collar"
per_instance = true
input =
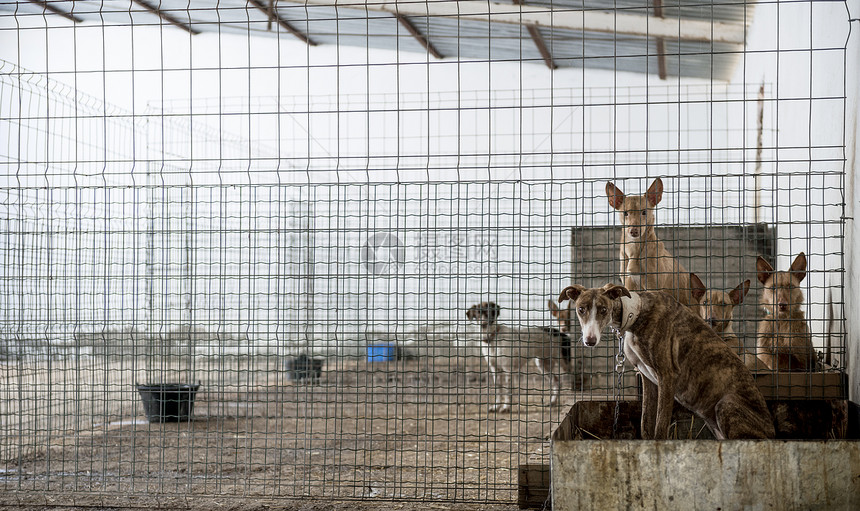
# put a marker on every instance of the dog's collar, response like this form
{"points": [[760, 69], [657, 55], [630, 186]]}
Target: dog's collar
{"points": [[629, 310]]}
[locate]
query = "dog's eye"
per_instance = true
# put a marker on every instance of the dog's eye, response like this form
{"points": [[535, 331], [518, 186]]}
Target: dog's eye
{"points": [[643, 212], [580, 311], [626, 213], [602, 310]]}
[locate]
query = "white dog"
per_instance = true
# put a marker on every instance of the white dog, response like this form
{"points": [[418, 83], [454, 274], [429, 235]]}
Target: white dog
{"points": [[508, 349]]}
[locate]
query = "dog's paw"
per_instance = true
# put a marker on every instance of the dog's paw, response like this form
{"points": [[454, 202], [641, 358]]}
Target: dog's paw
{"points": [[493, 408], [504, 409]]}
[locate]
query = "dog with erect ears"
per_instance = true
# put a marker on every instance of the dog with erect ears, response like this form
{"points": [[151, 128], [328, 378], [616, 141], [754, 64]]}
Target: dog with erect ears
{"points": [[784, 342], [645, 263], [716, 307]]}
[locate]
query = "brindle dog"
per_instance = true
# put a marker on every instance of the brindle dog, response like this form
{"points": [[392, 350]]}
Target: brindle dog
{"points": [[680, 357], [716, 307]]}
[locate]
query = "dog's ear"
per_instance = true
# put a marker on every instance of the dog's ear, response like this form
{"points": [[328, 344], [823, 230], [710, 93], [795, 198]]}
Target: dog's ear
{"points": [[616, 196], [764, 269], [615, 292], [553, 308], [697, 287], [798, 267], [737, 294], [655, 192], [570, 293], [493, 311]]}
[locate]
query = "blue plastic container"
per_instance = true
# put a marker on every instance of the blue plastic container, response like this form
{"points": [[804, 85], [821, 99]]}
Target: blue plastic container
{"points": [[381, 352]]}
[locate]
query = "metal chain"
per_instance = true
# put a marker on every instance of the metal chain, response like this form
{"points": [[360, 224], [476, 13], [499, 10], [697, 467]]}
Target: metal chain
{"points": [[619, 377]]}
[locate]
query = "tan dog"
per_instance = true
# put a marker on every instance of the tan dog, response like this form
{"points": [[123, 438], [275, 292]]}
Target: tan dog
{"points": [[645, 262], [563, 316], [784, 341], [716, 308], [680, 357], [508, 349]]}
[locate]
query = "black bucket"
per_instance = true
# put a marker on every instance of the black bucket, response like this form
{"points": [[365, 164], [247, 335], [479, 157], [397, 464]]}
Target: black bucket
{"points": [[168, 402], [303, 367]]}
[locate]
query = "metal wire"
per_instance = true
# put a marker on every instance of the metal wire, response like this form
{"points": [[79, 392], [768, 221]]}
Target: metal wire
{"points": [[229, 207]]}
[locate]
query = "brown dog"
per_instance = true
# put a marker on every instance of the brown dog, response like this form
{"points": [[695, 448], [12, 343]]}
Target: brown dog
{"points": [[784, 341], [563, 316], [680, 357], [716, 308], [645, 262]]}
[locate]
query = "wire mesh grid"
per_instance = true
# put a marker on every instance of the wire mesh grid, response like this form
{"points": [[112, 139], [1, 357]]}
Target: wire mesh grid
{"points": [[302, 232]]}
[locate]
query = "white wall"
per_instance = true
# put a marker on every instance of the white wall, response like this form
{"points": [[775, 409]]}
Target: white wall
{"points": [[852, 197]]}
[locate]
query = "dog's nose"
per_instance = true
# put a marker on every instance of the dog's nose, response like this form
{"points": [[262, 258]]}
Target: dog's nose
{"points": [[634, 232], [590, 340], [782, 306]]}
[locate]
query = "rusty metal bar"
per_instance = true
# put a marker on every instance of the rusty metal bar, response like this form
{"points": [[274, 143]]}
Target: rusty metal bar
{"points": [[418, 36], [661, 45], [541, 46], [166, 17], [273, 15], [534, 32]]}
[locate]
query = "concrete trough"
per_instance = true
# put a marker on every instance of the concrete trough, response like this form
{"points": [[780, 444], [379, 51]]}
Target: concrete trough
{"points": [[705, 474], [593, 473]]}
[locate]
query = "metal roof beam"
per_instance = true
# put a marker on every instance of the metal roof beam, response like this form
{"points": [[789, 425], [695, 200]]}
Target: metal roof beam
{"points": [[166, 17], [418, 35], [273, 14], [542, 16], [48, 7]]}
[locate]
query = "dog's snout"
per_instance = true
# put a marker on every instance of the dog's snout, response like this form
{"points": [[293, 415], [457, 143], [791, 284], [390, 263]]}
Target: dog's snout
{"points": [[589, 340], [783, 306], [634, 232]]}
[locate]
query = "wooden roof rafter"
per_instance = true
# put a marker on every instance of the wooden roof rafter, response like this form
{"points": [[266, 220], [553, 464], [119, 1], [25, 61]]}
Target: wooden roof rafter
{"points": [[272, 15], [164, 16]]}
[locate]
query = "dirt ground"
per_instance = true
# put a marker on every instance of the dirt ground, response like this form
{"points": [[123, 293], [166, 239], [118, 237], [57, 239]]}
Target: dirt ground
{"points": [[412, 434]]}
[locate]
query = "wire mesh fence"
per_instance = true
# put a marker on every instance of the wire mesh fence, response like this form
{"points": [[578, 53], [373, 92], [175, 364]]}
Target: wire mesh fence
{"points": [[304, 239]]}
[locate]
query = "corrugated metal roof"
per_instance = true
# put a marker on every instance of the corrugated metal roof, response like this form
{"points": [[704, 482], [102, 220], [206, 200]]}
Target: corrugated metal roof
{"points": [[728, 10], [466, 38]]}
